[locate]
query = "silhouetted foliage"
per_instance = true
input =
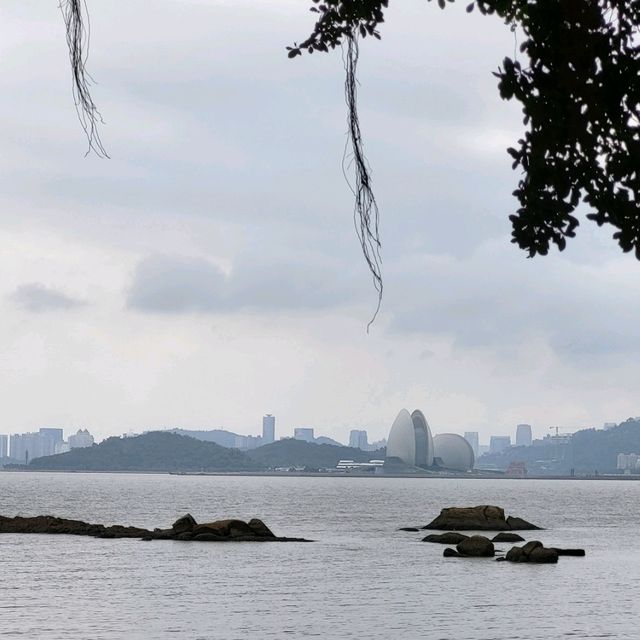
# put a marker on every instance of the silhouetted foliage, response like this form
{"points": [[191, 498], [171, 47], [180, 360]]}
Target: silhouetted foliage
{"points": [[154, 451], [580, 93]]}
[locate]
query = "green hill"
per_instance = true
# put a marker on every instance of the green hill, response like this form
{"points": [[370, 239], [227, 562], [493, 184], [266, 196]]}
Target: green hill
{"points": [[154, 451], [588, 451], [298, 453]]}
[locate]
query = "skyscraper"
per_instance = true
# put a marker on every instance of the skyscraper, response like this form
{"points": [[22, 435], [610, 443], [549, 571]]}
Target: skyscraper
{"points": [[474, 440], [499, 443], [303, 433], [4, 446], [28, 446], [268, 429], [523, 435], [358, 439]]}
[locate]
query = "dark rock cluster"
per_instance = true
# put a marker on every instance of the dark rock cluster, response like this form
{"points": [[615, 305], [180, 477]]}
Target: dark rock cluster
{"points": [[185, 528], [481, 518], [489, 518]]}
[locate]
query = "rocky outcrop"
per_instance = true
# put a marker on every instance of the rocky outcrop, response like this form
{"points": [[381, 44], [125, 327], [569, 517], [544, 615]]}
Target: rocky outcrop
{"points": [[185, 528], [260, 528], [476, 547], [481, 518], [533, 551], [184, 524], [504, 536], [451, 537]]}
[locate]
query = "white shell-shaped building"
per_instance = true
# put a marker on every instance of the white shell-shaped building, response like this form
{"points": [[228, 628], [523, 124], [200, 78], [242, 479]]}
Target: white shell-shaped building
{"points": [[452, 451], [410, 439]]}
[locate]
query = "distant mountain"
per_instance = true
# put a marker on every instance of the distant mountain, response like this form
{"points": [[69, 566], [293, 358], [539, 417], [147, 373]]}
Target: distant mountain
{"points": [[153, 451], [588, 451], [299, 453]]}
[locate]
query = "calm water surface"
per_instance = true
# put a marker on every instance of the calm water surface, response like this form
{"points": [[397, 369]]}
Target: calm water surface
{"points": [[361, 579]]}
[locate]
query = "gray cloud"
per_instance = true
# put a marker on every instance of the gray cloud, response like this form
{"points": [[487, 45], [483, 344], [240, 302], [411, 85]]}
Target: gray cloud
{"points": [[497, 299], [173, 284], [38, 298], [170, 284]]}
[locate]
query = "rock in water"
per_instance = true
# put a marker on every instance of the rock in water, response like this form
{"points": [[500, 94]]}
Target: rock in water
{"points": [[569, 552], [185, 524], [530, 546], [543, 555], [476, 547], [533, 551], [225, 529], [260, 528], [185, 528], [408, 529], [507, 537], [451, 537], [518, 524], [450, 553], [481, 518], [515, 555]]}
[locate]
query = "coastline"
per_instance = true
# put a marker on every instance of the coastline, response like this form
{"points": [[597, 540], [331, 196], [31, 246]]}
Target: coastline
{"points": [[311, 474]]}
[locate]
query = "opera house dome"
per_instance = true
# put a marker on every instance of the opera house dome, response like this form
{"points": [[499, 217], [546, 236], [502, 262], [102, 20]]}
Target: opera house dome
{"points": [[452, 451], [410, 439]]}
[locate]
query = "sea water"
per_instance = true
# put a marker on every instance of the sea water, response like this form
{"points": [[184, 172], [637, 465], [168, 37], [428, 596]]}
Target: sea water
{"points": [[361, 578]]}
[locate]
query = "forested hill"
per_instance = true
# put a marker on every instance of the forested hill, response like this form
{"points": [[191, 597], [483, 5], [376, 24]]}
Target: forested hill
{"points": [[298, 453], [587, 452], [154, 451]]}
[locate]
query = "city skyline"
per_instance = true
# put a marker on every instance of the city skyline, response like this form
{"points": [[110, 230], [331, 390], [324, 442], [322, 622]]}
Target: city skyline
{"points": [[344, 437]]}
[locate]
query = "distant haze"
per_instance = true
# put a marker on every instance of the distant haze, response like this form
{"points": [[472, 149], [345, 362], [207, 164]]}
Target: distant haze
{"points": [[209, 272]]}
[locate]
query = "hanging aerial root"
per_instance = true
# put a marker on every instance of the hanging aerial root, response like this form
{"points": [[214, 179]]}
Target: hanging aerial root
{"points": [[366, 213], [76, 19]]}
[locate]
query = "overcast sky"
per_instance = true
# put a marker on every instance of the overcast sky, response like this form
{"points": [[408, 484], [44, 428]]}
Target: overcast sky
{"points": [[209, 272]]}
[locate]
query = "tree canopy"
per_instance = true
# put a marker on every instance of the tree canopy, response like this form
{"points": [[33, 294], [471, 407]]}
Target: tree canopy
{"points": [[579, 86], [580, 93]]}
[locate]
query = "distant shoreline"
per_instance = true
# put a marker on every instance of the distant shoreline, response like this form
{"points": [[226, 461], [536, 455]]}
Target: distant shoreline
{"points": [[302, 474]]}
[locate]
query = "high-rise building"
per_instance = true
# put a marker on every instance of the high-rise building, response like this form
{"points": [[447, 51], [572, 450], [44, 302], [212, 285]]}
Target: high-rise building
{"points": [[268, 429], [523, 435], [358, 439], [4, 446], [27, 446], [473, 439], [499, 443], [81, 439], [303, 433]]}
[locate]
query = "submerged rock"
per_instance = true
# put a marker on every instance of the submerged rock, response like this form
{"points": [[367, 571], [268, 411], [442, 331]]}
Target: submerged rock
{"points": [[185, 528], [408, 529], [480, 518], [504, 536], [450, 553], [569, 552], [451, 537]]}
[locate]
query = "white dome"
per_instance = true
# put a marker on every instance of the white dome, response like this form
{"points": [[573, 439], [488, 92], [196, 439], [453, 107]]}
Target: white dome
{"points": [[453, 451]]}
